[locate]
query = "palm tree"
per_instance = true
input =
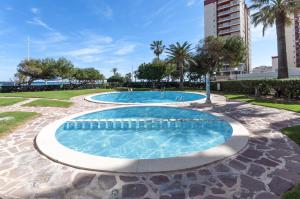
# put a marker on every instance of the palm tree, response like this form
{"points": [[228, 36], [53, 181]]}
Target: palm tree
{"points": [[180, 54], [278, 12], [157, 47], [114, 71]]}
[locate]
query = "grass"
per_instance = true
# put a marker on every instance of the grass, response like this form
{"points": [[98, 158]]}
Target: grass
{"points": [[62, 95], [10, 101], [263, 102], [294, 134], [18, 118], [49, 103]]}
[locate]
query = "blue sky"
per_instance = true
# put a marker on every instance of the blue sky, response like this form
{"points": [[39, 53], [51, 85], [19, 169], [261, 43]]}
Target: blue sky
{"points": [[104, 33]]}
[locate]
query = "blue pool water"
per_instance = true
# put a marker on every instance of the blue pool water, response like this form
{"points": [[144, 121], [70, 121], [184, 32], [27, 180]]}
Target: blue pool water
{"points": [[148, 97], [144, 132]]}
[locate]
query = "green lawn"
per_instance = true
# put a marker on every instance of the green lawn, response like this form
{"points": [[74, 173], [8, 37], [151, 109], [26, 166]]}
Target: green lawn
{"points": [[294, 134], [262, 102], [10, 101], [63, 95], [49, 103], [14, 120]]}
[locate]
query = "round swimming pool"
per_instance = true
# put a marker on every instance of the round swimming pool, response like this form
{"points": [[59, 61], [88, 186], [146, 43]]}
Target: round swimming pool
{"points": [[153, 97], [131, 136], [144, 132]]}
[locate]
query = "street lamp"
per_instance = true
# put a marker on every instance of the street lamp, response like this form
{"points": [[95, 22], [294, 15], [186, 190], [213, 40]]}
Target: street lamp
{"points": [[236, 72]]}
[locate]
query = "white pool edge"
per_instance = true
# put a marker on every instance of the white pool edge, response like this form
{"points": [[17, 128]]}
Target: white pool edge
{"points": [[89, 98], [48, 145]]}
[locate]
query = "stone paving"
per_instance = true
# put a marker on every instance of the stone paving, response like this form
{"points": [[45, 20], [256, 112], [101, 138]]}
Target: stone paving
{"points": [[267, 167]]}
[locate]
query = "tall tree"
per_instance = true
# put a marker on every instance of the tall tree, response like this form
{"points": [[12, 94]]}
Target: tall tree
{"points": [[114, 71], [278, 12], [157, 47], [180, 54], [214, 52]]}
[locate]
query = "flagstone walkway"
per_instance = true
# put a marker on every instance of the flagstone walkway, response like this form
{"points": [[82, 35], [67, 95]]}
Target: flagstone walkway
{"points": [[267, 167]]}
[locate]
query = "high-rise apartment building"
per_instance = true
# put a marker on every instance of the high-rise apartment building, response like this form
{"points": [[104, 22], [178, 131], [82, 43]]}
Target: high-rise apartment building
{"points": [[227, 18], [292, 34]]}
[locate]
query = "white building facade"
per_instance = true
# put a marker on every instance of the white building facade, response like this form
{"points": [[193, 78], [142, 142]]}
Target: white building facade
{"points": [[227, 18]]}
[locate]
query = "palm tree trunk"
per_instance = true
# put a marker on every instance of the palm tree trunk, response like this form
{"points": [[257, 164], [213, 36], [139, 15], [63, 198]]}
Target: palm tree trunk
{"points": [[281, 47], [181, 75], [207, 78]]}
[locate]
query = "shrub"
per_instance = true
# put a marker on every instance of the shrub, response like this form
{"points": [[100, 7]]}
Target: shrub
{"points": [[280, 88]]}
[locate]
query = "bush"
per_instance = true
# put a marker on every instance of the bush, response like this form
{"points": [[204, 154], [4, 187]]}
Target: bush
{"points": [[25, 88], [279, 88]]}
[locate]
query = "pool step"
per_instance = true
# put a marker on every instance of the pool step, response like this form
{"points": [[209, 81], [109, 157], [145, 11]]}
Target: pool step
{"points": [[139, 124]]}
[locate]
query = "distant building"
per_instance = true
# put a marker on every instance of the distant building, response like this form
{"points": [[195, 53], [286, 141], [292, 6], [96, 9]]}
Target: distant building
{"points": [[262, 69], [227, 18]]}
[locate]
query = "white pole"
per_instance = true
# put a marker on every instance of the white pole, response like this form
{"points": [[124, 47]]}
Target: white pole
{"points": [[28, 48]]}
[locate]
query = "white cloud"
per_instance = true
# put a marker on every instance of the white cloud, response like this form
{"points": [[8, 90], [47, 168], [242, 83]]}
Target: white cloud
{"points": [[84, 52], [191, 2], [125, 49], [34, 10], [39, 22]]}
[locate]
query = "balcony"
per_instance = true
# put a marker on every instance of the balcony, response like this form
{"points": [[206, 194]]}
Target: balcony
{"points": [[231, 4], [229, 11]]}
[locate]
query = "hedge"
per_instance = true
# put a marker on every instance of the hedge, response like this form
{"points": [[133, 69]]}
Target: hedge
{"points": [[278, 88], [25, 88]]}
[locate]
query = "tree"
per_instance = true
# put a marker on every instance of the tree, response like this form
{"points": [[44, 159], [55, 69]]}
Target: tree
{"points": [[65, 69], [157, 47], [153, 72], [270, 12], [87, 75], [128, 77], [114, 71], [214, 52], [180, 54], [32, 69]]}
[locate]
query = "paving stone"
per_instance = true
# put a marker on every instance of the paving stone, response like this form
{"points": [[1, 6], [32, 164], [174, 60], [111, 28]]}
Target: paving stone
{"points": [[293, 166], [251, 184], [243, 159], [242, 193], [129, 178], [159, 179], [252, 153], [134, 190], [177, 176], [277, 153], [196, 190], [266, 162], [222, 168], [107, 181], [228, 180], [180, 195], [237, 165], [204, 172], [279, 185], [287, 174], [255, 170], [81, 180], [213, 197], [191, 176], [266, 195], [217, 191]]}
